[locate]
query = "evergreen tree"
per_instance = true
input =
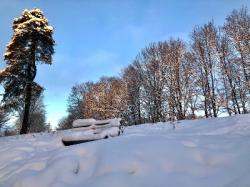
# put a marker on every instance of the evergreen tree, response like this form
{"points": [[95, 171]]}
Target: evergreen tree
{"points": [[30, 44]]}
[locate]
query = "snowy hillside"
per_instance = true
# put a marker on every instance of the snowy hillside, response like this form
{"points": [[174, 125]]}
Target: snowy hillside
{"points": [[197, 153]]}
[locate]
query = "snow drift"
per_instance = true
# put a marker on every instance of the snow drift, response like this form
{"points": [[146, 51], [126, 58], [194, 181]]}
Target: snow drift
{"points": [[196, 153]]}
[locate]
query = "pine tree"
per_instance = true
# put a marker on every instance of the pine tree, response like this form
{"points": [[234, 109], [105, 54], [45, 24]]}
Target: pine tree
{"points": [[30, 44]]}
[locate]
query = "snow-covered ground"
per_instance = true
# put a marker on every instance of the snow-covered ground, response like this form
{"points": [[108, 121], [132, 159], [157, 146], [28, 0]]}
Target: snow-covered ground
{"points": [[197, 153]]}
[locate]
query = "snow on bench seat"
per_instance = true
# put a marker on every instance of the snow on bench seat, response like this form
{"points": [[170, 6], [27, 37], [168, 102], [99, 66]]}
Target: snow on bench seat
{"points": [[83, 123], [92, 122]]}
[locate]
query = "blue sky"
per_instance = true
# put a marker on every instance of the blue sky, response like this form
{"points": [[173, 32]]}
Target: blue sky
{"points": [[97, 38]]}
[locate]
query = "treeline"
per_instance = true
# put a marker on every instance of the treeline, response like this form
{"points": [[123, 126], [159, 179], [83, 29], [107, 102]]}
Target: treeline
{"points": [[175, 80]]}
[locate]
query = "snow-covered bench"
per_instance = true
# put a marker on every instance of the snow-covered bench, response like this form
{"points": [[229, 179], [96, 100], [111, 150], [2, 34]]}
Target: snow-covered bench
{"points": [[85, 130]]}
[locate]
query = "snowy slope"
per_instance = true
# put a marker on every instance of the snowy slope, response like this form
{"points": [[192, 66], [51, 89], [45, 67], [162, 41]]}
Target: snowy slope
{"points": [[197, 153]]}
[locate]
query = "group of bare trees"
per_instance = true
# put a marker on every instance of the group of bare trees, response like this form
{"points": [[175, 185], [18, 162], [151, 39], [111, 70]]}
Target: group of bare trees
{"points": [[164, 87], [102, 100], [175, 80]]}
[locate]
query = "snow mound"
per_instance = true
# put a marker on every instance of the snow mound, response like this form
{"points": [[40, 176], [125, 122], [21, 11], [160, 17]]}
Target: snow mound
{"points": [[207, 153]]}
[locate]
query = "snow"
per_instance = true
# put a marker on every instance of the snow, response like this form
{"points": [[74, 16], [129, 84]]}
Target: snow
{"points": [[84, 122], [92, 134], [209, 153], [115, 122]]}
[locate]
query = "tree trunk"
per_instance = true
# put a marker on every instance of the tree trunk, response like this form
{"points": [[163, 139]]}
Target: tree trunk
{"points": [[28, 90], [25, 122], [205, 105]]}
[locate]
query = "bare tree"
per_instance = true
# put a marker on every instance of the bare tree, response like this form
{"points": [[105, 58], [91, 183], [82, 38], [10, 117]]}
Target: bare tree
{"points": [[229, 72], [204, 46], [237, 28], [133, 99], [106, 99]]}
